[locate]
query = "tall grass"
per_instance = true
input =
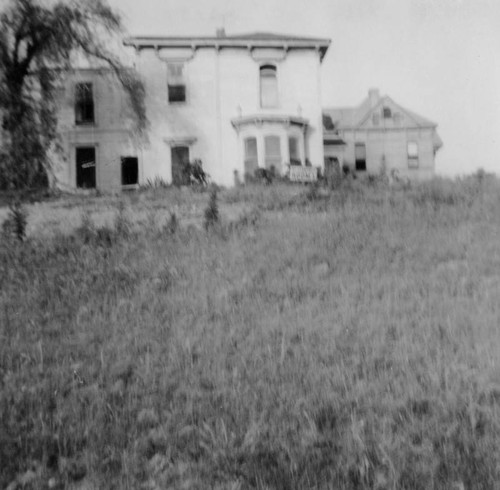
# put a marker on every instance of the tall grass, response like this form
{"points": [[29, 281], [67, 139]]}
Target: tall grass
{"points": [[341, 340]]}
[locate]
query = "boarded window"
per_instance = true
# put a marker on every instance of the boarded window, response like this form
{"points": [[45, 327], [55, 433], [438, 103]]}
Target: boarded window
{"points": [[268, 86], [85, 168], [272, 150], [412, 154], [251, 156], [293, 147], [130, 170], [84, 104], [387, 113], [360, 156], [176, 82]]}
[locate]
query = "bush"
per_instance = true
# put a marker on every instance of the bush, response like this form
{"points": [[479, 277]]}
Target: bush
{"points": [[16, 222], [212, 210]]}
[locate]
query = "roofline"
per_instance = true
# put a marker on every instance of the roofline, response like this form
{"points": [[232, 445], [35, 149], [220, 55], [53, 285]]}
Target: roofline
{"points": [[154, 42]]}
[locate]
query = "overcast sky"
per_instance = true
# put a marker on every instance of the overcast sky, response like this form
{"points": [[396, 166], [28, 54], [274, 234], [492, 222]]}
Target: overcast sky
{"points": [[439, 58]]}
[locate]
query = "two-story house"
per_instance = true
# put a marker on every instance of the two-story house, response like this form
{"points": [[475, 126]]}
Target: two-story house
{"points": [[234, 102], [379, 135]]}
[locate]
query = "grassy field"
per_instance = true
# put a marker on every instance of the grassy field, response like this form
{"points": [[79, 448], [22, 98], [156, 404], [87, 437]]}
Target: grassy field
{"points": [[312, 339]]}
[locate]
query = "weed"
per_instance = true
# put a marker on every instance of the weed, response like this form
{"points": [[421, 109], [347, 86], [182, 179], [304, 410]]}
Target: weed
{"points": [[16, 222], [212, 211]]}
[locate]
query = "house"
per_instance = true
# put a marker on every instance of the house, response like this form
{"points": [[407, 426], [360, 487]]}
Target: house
{"points": [[380, 135], [237, 103]]}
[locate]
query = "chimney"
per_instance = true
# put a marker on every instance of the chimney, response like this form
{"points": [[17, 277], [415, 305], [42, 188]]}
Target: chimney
{"points": [[220, 32], [374, 96]]}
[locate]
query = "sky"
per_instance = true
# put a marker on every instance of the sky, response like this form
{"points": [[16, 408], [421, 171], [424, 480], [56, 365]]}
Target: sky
{"points": [[438, 58]]}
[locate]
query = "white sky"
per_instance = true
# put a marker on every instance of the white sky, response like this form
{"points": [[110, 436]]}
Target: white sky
{"points": [[439, 58]]}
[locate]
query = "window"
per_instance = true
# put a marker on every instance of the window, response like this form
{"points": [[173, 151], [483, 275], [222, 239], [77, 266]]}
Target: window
{"points": [[328, 124], [272, 150], [387, 113], [176, 82], [130, 171], [268, 86], [84, 104], [376, 118], [251, 157], [293, 147], [412, 154], [360, 156]]}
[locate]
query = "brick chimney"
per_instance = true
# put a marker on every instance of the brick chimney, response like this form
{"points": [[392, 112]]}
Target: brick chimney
{"points": [[220, 32], [374, 96]]}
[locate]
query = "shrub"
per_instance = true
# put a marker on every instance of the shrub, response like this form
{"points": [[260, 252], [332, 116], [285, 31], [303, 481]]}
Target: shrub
{"points": [[212, 210], [16, 222]]}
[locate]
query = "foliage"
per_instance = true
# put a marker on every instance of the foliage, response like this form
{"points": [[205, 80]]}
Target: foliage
{"points": [[350, 348], [212, 210], [16, 222], [39, 42]]}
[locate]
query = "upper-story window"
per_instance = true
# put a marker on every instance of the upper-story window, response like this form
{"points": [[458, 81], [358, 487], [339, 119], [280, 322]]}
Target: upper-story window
{"points": [[176, 82], [387, 113], [268, 86], [84, 103]]}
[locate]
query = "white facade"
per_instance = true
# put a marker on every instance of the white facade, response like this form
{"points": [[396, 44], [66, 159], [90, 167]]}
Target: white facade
{"points": [[224, 104], [234, 102]]}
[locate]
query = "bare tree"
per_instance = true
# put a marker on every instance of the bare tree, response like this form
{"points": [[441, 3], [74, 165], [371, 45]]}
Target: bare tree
{"points": [[39, 41]]}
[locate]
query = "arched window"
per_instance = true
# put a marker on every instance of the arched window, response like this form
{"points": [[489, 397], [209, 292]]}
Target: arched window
{"points": [[268, 86]]}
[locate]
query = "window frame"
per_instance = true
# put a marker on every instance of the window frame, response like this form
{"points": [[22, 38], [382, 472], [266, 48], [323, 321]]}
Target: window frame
{"points": [[387, 113], [270, 159], [82, 104], [413, 155], [176, 83], [264, 74]]}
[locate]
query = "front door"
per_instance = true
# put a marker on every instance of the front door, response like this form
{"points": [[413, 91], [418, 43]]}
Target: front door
{"points": [[85, 168], [180, 158]]}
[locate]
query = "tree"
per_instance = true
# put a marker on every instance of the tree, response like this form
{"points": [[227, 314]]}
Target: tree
{"points": [[39, 42]]}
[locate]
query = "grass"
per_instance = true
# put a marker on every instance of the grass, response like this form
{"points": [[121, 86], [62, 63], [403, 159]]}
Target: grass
{"points": [[312, 340]]}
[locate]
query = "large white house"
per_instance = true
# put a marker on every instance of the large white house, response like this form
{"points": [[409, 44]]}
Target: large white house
{"points": [[234, 102]]}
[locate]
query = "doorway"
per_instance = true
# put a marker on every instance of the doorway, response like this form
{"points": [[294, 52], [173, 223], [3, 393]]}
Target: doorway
{"points": [[85, 168], [180, 159]]}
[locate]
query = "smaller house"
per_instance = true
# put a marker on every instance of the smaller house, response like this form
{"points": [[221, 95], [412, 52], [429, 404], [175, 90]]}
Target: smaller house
{"points": [[380, 135]]}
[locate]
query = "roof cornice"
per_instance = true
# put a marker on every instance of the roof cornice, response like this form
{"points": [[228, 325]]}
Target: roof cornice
{"points": [[286, 43]]}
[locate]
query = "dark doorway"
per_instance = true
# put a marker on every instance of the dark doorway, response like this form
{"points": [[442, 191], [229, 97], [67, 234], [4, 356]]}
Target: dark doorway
{"points": [[360, 156], [130, 171], [180, 159], [85, 168]]}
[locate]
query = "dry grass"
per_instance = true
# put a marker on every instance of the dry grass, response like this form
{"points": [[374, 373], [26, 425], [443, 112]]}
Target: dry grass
{"points": [[328, 340]]}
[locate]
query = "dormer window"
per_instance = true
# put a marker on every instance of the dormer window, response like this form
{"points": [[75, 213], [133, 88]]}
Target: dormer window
{"points": [[176, 82], [387, 113], [268, 86]]}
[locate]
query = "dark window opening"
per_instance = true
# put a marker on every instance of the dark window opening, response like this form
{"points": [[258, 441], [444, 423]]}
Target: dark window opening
{"points": [[328, 124], [176, 82], [84, 103], [387, 113], [360, 156], [85, 168], [130, 170], [293, 147], [177, 93]]}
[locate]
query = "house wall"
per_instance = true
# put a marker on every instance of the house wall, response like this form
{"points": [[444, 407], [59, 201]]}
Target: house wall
{"points": [[221, 86], [109, 135], [391, 145]]}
